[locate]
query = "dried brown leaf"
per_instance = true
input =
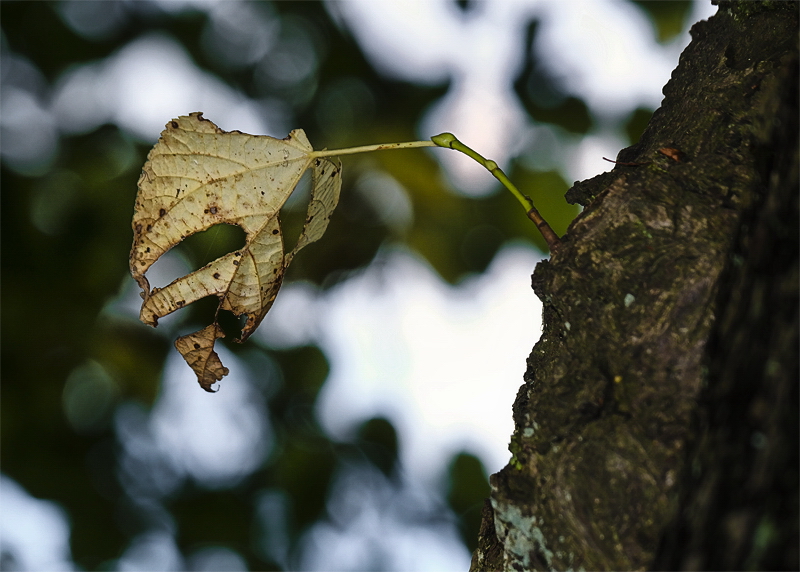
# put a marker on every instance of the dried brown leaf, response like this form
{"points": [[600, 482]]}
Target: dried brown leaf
{"points": [[198, 175], [198, 351]]}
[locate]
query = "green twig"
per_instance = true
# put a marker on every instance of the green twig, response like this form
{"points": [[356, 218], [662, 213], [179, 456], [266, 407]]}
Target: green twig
{"points": [[449, 141]]}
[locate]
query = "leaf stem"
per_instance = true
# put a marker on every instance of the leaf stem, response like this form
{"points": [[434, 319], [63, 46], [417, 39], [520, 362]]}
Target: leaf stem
{"points": [[368, 148], [449, 141]]}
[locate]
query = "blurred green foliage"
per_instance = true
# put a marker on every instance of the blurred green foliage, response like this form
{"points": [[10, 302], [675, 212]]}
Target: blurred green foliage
{"points": [[541, 96], [69, 360], [668, 18], [636, 124], [466, 491]]}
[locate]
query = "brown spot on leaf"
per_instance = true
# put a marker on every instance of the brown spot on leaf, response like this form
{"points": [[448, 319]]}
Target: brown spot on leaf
{"points": [[174, 124], [275, 231], [162, 212], [216, 275], [196, 346], [213, 210]]}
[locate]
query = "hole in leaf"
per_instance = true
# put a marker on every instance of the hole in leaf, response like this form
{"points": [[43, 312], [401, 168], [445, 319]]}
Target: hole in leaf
{"points": [[231, 325], [202, 312], [204, 247], [196, 251]]}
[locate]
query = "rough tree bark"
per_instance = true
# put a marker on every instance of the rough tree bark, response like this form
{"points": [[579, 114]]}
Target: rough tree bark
{"points": [[658, 422]]}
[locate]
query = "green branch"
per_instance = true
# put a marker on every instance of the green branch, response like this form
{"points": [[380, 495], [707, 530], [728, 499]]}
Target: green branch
{"points": [[449, 141]]}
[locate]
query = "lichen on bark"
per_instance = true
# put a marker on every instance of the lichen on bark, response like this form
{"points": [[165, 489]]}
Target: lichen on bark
{"points": [[603, 419]]}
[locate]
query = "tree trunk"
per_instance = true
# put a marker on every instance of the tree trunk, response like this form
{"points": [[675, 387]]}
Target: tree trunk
{"points": [[658, 422]]}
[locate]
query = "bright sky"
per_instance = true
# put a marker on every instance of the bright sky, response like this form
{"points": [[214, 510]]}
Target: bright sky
{"points": [[442, 363]]}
